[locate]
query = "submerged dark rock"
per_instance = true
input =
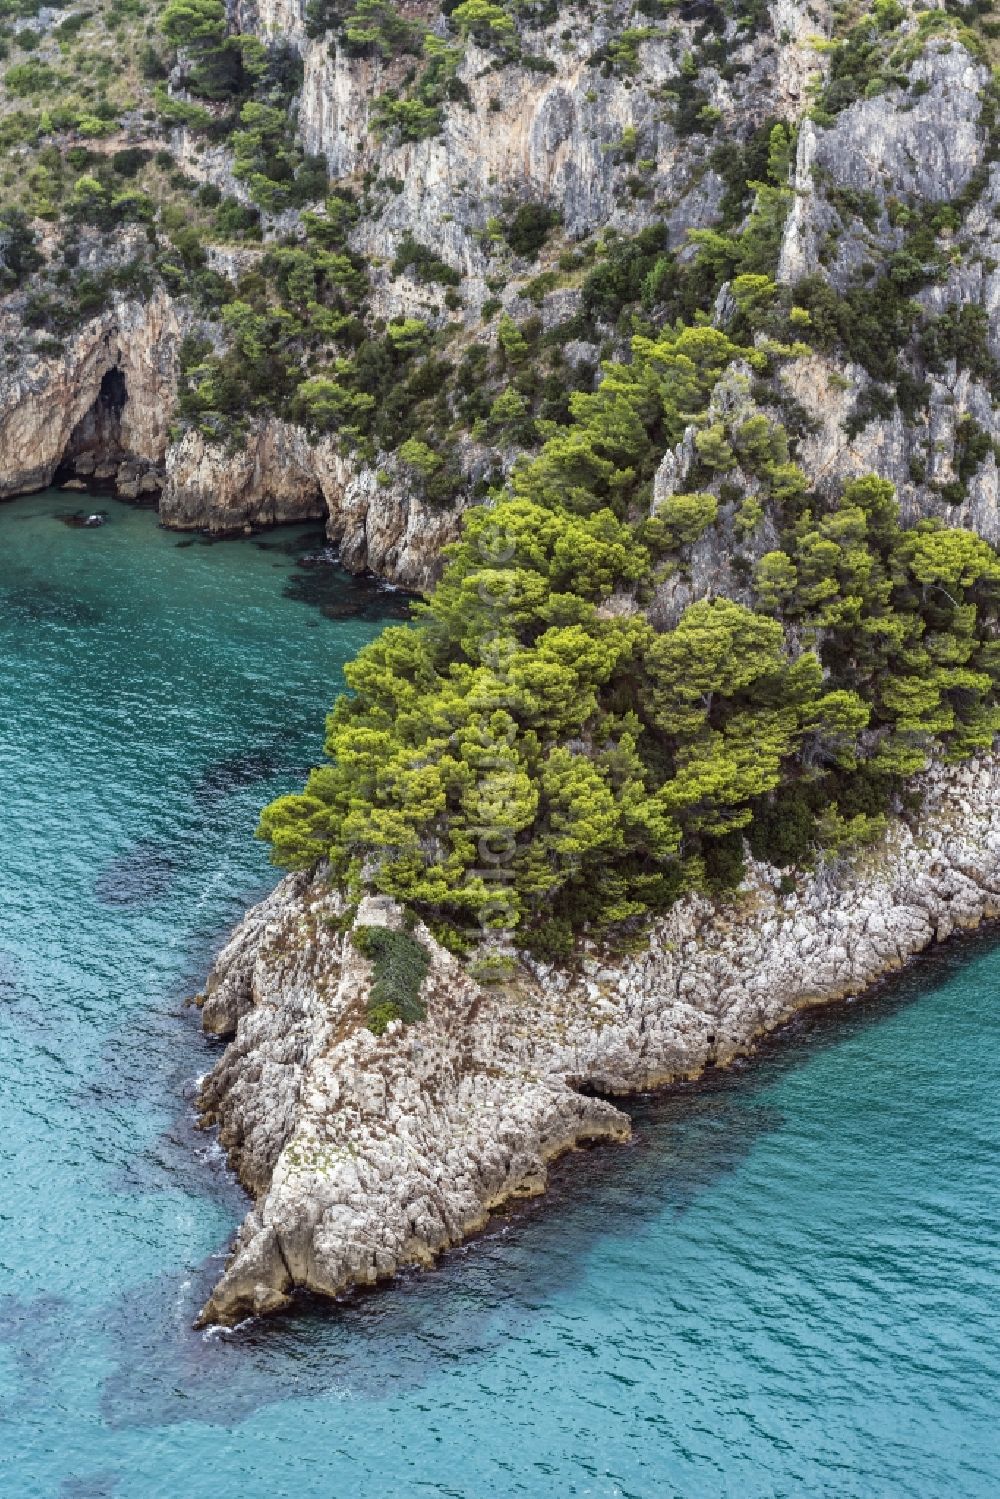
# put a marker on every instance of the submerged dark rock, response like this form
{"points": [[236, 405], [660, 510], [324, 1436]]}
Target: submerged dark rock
{"points": [[46, 603], [244, 768], [320, 581], [137, 877]]}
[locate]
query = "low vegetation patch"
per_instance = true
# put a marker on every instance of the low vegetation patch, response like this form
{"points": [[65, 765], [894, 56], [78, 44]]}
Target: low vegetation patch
{"points": [[401, 964]]}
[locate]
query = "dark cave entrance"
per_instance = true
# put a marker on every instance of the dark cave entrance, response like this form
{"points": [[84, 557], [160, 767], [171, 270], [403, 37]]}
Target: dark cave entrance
{"points": [[96, 458], [113, 393], [97, 436]]}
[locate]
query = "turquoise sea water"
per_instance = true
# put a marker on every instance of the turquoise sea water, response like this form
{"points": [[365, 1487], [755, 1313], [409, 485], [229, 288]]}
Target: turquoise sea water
{"points": [[788, 1285]]}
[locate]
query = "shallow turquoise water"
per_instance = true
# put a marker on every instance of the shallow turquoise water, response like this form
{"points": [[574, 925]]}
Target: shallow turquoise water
{"points": [[787, 1286]]}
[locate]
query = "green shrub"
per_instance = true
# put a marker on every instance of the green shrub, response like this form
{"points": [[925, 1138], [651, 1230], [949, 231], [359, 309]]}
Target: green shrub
{"points": [[194, 23], [19, 256], [129, 161], [25, 80], [687, 516], [783, 830], [423, 264], [487, 22], [401, 963], [235, 221], [973, 446], [725, 866], [621, 54], [550, 941], [529, 228], [627, 269], [376, 26]]}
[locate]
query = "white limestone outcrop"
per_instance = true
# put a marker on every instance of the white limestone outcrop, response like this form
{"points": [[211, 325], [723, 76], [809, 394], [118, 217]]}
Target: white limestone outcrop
{"points": [[364, 1154]]}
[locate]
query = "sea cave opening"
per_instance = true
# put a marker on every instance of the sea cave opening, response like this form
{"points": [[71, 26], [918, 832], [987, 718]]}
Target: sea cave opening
{"points": [[97, 456]]}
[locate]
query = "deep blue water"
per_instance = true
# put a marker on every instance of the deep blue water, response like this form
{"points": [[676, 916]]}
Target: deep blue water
{"points": [[787, 1286]]}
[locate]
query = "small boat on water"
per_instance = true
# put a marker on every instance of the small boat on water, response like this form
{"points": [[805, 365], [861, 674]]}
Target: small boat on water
{"points": [[85, 520]]}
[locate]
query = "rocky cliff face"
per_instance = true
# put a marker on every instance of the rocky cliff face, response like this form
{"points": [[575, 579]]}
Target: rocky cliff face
{"points": [[856, 181], [104, 401], [377, 519], [547, 130], [364, 1154], [613, 125]]}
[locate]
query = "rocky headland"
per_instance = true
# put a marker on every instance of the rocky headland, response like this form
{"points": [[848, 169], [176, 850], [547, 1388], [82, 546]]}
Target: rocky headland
{"points": [[364, 1154]]}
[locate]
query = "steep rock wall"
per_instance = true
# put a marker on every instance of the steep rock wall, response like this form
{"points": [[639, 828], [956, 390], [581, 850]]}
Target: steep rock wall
{"points": [[855, 181], [549, 132], [377, 519], [43, 399]]}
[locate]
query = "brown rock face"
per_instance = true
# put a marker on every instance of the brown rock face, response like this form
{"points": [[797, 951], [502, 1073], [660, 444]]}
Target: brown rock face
{"points": [[379, 520], [269, 479], [111, 394], [103, 409]]}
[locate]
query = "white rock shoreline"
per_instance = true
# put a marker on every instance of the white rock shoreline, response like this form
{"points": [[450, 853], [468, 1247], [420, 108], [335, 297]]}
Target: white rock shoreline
{"points": [[366, 1154]]}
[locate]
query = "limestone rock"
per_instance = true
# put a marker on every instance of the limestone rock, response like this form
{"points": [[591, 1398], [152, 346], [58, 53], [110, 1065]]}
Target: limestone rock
{"points": [[365, 1154], [47, 403], [377, 518]]}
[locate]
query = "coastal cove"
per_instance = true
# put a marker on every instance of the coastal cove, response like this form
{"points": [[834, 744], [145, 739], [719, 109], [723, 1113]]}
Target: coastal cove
{"points": [[785, 1283]]}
